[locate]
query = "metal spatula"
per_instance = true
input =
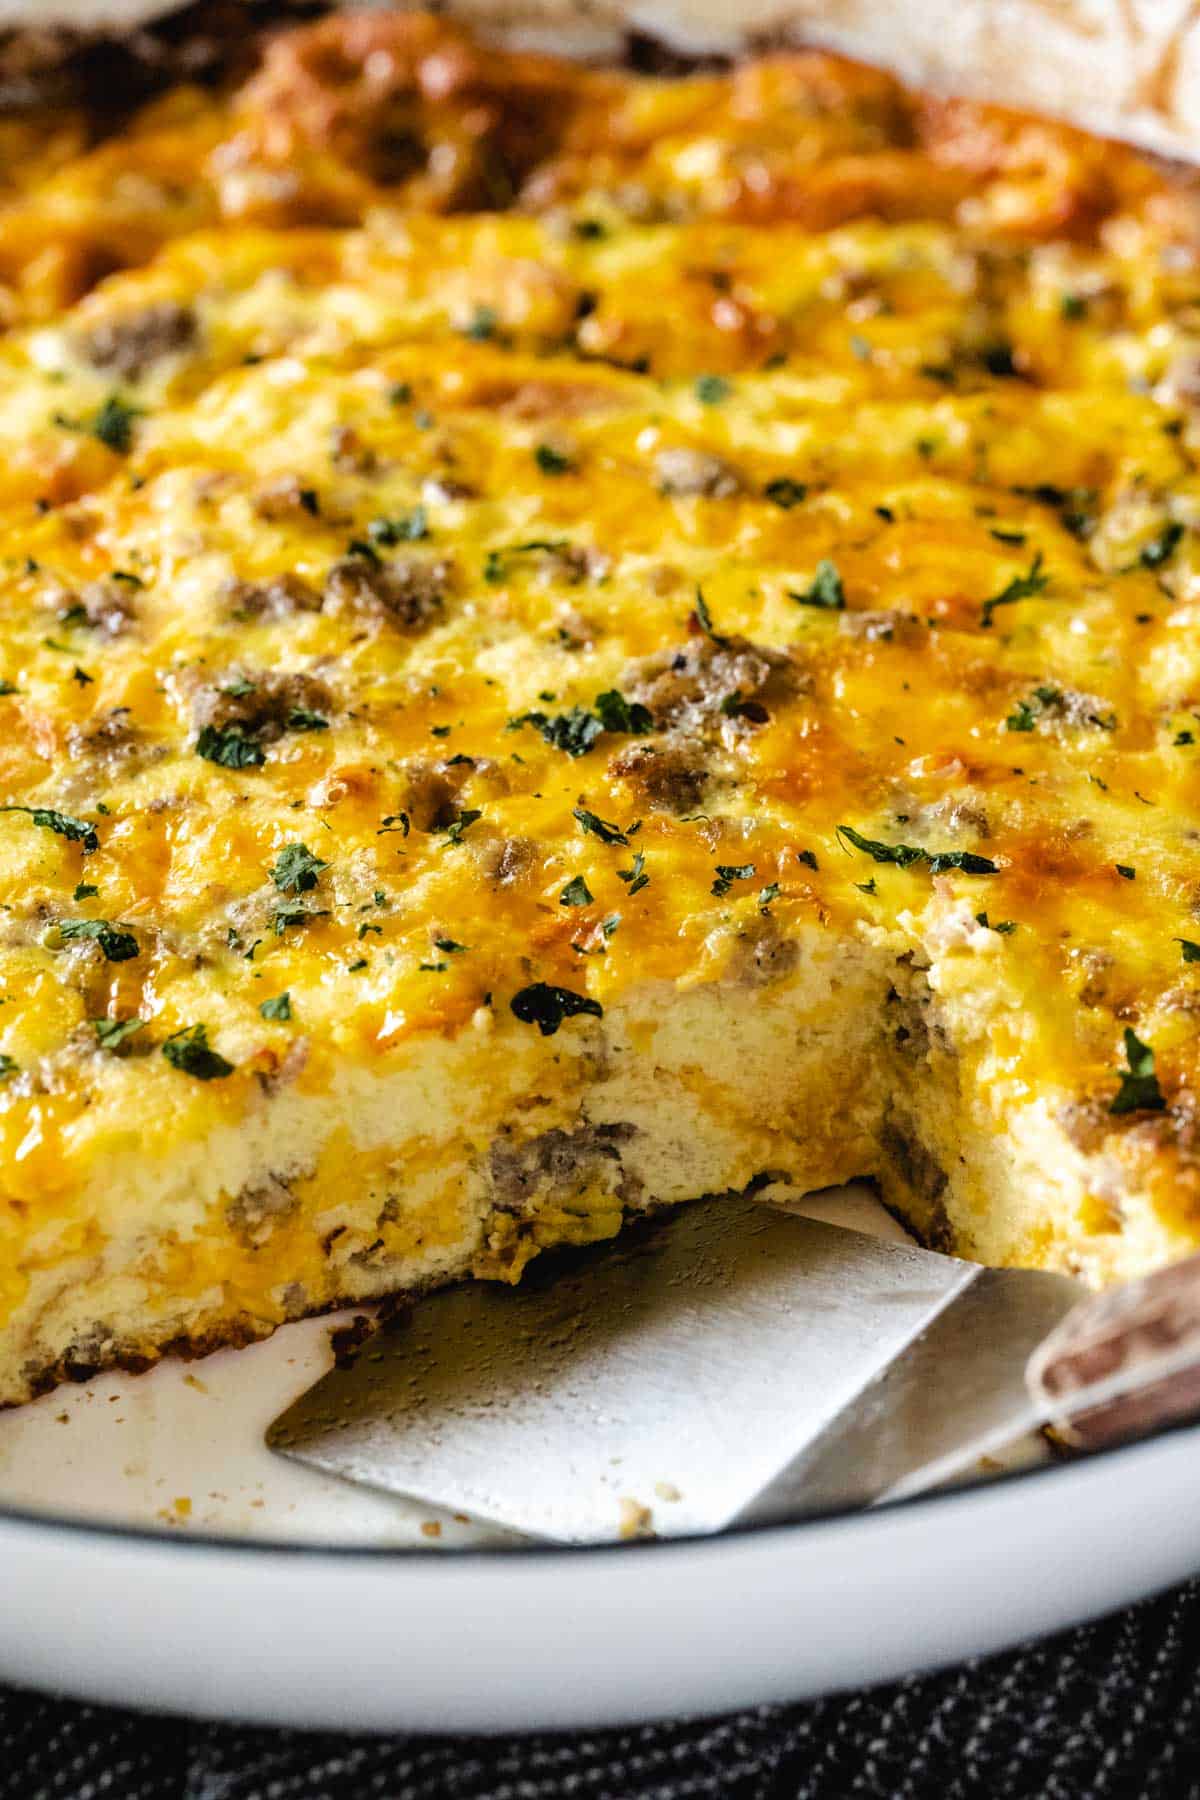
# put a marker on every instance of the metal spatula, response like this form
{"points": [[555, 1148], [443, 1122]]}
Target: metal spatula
{"points": [[733, 1362]]}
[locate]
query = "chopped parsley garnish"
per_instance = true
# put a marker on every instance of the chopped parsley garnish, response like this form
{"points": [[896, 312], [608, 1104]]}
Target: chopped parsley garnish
{"points": [[728, 873], [1003, 926], [1026, 713], [294, 912], [1139, 1090], [1191, 951], [617, 715], [635, 877], [1021, 587], [766, 895], [296, 869], [466, 818], [496, 563], [576, 893], [785, 492], [546, 1006], [710, 390], [84, 890], [8, 687], [8, 1067], [703, 617], [598, 827], [1126, 871], [482, 324], [808, 859], [826, 589], [230, 746], [112, 423], [405, 528], [112, 1033], [904, 855], [867, 887], [734, 707], [395, 822], [190, 1051], [551, 461], [574, 732], [449, 948], [1160, 549], [77, 830], [280, 1007], [301, 719], [117, 945], [1072, 306]]}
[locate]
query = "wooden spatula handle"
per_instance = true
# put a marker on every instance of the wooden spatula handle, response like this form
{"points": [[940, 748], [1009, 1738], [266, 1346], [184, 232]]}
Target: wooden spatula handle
{"points": [[1147, 1329]]}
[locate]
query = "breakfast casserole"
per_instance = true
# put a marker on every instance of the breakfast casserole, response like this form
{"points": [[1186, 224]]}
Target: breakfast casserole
{"points": [[574, 639]]}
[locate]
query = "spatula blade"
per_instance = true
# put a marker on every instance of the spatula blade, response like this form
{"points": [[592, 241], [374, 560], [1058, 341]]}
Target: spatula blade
{"points": [[667, 1379]]}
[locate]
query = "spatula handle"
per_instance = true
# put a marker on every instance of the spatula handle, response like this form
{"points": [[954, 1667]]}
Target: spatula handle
{"points": [[1144, 1337]]}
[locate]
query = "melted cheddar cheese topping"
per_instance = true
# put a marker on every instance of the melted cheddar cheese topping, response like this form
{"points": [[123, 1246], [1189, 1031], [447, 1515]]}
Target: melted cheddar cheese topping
{"points": [[505, 534]]}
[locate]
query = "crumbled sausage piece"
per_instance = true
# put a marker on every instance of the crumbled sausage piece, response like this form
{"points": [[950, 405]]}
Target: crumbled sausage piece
{"points": [[263, 705], [558, 1164], [406, 592], [108, 742], [349, 454], [669, 778], [687, 472], [109, 607], [882, 625], [130, 346], [701, 683], [286, 497], [506, 861], [276, 599], [762, 955], [430, 793]]}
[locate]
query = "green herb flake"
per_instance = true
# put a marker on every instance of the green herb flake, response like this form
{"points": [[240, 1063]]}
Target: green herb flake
{"points": [[551, 461], [112, 423], [598, 827], [728, 873], [617, 715], [1139, 1090], [546, 1006], [1126, 871], [784, 492], [635, 877], [1191, 951], [8, 1067], [294, 912], [230, 747], [710, 390], [767, 895], [296, 869], [808, 859], [78, 831], [112, 1033], [1021, 587], [482, 324], [825, 591], [116, 945], [905, 855], [189, 1051], [1160, 549], [405, 528], [465, 819], [85, 890], [576, 893], [279, 1007], [448, 947]]}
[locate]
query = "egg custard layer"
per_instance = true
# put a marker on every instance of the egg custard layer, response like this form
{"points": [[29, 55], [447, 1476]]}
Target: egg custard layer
{"points": [[570, 641]]}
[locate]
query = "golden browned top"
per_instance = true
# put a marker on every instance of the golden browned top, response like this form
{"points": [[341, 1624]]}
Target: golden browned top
{"points": [[515, 528]]}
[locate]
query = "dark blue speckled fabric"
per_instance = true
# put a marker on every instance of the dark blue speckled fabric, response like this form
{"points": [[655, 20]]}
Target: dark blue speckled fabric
{"points": [[1112, 1709]]}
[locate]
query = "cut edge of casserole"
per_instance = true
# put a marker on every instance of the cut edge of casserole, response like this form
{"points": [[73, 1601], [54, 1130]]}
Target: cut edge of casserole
{"points": [[572, 642]]}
